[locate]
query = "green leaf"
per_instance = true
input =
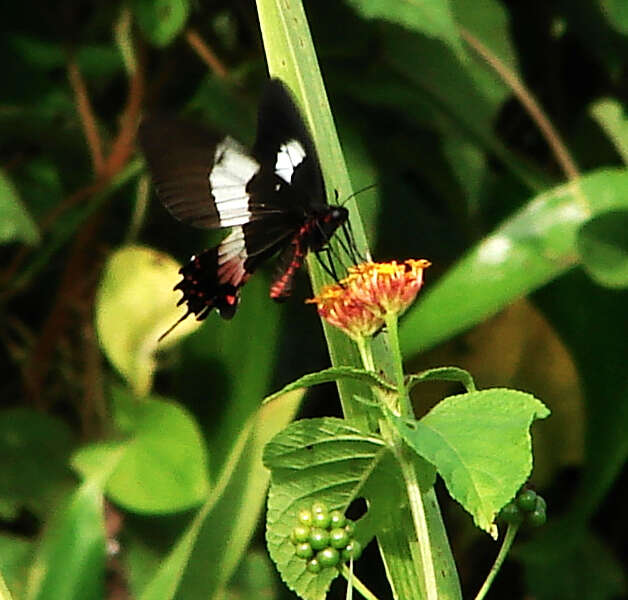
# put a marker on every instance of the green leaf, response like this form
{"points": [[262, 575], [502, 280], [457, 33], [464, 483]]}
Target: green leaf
{"points": [[334, 374], [616, 13], [15, 558], [611, 117], [161, 20], [535, 245], [16, 224], [34, 449], [603, 247], [255, 578], [323, 460], [207, 554], [433, 18], [161, 467], [443, 374], [249, 359], [70, 560], [134, 306], [480, 445]]}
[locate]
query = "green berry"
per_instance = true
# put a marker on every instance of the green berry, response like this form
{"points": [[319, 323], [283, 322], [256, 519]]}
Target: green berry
{"points": [[338, 519], [319, 538], [338, 538], [511, 514], [300, 533], [536, 518], [352, 551], [304, 550], [313, 566], [526, 500], [328, 557], [350, 528], [321, 519], [540, 503], [304, 517], [319, 507]]}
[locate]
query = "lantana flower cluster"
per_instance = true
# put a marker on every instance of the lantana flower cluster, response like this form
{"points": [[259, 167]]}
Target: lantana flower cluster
{"points": [[360, 303]]}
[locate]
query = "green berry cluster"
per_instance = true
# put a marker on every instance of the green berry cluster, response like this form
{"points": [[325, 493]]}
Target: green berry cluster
{"points": [[324, 538], [527, 508]]}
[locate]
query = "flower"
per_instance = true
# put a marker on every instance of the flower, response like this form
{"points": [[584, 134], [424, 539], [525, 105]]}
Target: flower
{"points": [[360, 303]]}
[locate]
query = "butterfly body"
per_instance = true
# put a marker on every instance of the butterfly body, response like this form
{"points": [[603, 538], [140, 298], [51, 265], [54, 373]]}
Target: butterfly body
{"points": [[272, 198]]}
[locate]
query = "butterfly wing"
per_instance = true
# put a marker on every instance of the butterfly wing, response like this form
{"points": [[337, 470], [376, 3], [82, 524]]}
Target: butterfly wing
{"points": [[284, 147], [266, 197], [199, 177]]}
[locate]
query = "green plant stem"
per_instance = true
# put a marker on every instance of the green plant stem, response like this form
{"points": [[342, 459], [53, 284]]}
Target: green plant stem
{"points": [[357, 584], [397, 362], [511, 532], [420, 521], [364, 347]]}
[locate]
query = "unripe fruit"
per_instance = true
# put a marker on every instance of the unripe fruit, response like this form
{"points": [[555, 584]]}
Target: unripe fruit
{"points": [[511, 514], [304, 516], [329, 557], [319, 538], [337, 519], [321, 519], [313, 566], [526, 500], [304, 550], [338, 538], [300, 533], [352, 551]]}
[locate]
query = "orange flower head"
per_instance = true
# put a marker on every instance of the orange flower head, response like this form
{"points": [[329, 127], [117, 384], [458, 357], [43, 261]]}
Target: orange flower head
{"points": [[360, 302]]}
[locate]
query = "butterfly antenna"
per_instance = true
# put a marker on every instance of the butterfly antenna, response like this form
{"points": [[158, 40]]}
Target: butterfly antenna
{"points": [[364, 189], [163, 335]]}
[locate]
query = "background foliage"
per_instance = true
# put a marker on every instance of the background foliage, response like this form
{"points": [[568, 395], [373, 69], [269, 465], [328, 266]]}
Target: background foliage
{"points": [[102, 494]]}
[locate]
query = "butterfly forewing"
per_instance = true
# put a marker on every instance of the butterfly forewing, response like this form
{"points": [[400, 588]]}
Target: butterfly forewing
{"points": [[272, 198]]}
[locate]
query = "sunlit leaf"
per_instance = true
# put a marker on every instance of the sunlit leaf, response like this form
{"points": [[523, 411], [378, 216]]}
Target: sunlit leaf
{"points": [[532, 247], [134, 306], [480, 445]]}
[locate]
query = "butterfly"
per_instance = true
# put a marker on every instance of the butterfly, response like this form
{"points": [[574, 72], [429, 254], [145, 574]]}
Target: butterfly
{"points": [[272, 197]]}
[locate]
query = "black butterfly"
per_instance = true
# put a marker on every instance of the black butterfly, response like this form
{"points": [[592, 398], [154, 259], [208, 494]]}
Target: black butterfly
{"points": [[272, 197]]}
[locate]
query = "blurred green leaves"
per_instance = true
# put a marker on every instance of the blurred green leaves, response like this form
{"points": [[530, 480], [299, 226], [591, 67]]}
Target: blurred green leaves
{"points": [[35, 448], [433, 18], [531, 248], [161, 20], [135, 305], [160, 466], [16, 224]]}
